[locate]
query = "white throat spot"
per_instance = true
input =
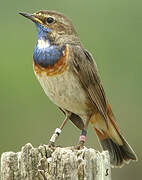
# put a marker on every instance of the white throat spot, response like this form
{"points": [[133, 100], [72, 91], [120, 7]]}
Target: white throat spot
{"points": [[42, 44]]}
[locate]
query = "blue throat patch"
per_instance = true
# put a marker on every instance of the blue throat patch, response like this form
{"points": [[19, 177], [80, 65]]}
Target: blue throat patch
{"points": [[46, 54]]}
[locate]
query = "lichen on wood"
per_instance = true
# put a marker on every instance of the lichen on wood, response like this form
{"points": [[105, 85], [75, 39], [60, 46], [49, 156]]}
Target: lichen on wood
{"points": [[44, 163]]}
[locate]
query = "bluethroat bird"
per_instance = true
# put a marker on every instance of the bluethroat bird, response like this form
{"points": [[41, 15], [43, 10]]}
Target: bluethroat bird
{"points": [[69, 76]]}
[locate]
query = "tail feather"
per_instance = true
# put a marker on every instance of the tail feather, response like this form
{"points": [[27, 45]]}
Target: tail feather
{"points": [[119, 154], [112, 140], [116, 157]]}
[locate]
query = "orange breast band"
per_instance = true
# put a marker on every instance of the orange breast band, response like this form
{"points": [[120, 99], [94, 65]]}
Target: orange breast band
{"points": [[58, 68]]}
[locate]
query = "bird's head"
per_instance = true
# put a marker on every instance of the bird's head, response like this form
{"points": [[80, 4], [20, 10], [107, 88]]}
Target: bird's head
{"points": [[52, 25]]}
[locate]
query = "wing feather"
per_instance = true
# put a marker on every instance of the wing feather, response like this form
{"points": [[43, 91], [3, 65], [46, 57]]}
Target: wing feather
{"points": [[86, 69]]}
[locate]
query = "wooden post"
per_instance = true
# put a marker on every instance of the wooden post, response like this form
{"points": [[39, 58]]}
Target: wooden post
{"points": [[44, 163]]}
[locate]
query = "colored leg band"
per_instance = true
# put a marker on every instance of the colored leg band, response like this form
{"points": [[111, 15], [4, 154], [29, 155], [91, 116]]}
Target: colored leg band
{"points": [[55, 135], [84, 132], [53, 138], [82, 138], [58, 131], [83, 135]]}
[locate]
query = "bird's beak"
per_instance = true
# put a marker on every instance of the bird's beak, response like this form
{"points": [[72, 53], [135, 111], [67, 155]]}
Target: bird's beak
{"points": [[30, 16]]}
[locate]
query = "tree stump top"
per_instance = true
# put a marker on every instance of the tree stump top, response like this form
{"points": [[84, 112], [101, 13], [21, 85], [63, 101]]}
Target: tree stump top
{"points": [[44, 163]]}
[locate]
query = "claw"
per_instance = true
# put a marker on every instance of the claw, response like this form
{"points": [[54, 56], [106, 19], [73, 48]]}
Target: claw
{"points": [[51, 144], [80, 145]]}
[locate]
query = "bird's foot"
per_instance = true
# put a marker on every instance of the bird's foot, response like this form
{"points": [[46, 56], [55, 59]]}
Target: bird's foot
{"points": [[51, 145], [80, 145], [51, 148]]}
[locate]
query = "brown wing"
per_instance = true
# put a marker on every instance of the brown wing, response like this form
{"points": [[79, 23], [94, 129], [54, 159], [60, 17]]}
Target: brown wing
{"points": [[86, 70]]}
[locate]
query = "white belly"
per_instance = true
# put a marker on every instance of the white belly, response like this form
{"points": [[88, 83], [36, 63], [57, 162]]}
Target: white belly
{"points": [[65, 91]]}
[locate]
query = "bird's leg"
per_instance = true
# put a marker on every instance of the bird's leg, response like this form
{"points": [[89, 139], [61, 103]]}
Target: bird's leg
{"points": [[82, 137], [58, 131]]}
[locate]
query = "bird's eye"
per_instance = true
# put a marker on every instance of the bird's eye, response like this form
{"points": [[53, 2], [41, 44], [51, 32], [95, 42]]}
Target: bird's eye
{"points": [[50, 20]]}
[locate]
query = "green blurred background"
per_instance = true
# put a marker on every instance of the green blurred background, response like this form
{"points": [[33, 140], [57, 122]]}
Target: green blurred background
{"points": [[112, 32]]}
